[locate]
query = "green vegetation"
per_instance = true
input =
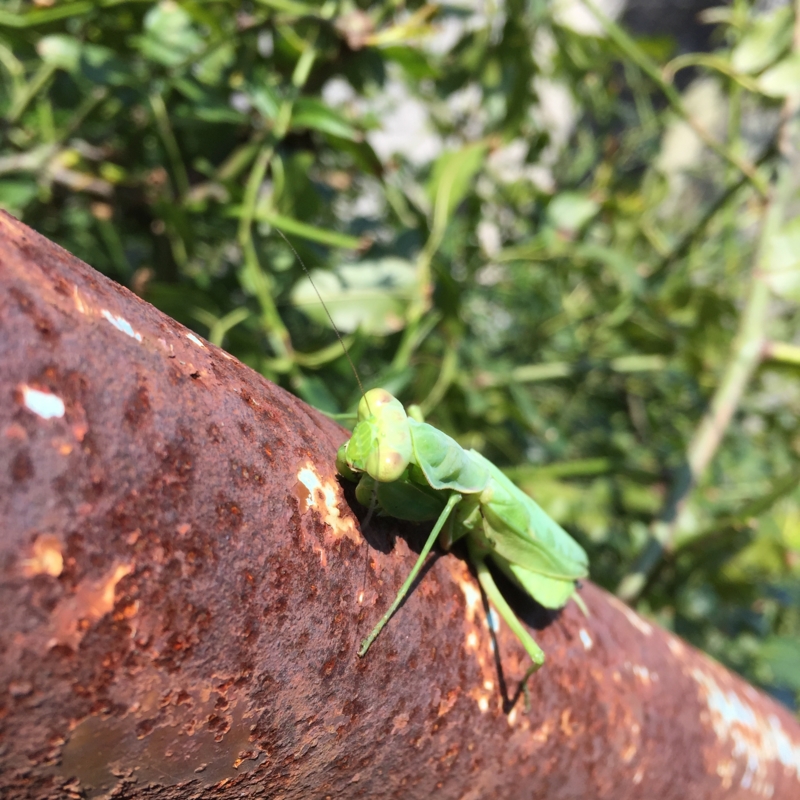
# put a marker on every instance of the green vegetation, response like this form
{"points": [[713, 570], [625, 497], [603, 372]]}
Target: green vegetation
{"points": [[581, 270]]}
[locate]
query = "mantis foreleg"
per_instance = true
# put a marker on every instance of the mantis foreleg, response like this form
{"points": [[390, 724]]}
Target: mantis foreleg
{"points": [[451, 504], [499, 602]]}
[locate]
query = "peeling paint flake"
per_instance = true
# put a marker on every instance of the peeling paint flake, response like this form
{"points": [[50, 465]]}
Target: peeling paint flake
{"points": [[325, 496], [192, 338], [472, 598], [43, 404], [121, 324], [756, 742], [80, 306], [642, 673], [91, 600], [46, 558], [481, 699], [542, 733]]}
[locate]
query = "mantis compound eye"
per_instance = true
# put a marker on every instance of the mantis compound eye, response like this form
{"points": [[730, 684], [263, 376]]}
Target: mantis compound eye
{"points": [[389, 450], [386, 464]]}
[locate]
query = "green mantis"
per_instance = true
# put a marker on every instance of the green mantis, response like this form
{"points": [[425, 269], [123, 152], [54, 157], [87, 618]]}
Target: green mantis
{"points": [[415, 472]]}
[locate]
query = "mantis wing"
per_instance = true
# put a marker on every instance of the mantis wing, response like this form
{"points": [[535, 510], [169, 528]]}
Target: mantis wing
{"points": [[445, 464], [520, 532], [550, 592]]}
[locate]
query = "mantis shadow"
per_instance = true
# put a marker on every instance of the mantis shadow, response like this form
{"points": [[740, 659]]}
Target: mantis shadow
{"points": [[376, 536], [382, 537], [528, 611]]}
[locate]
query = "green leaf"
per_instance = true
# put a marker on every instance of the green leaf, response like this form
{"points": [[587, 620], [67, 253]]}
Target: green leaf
{"points": [[216, 113], [16, 194], [316, 393], [782, 261], [101, 65], [291, 7], [781, 656], [211, 69], [61, 51], [314, 114], [452, 175], [370, 295], [783, 79], [570, 211], [41, 16], [415, 62], [769, 36], [310, 232], [265, 100], [170, 38]]}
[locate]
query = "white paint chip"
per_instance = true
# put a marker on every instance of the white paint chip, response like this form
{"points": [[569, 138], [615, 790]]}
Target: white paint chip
{"points": [[81, 307], [586, 639], [43, 404], [121, 324], [472, 598], [756, 740], [192, 338], [323, 496]]}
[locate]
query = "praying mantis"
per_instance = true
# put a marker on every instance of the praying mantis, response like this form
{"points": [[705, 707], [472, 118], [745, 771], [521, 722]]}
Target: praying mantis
{"points": [[415, 472], [412, 471]]}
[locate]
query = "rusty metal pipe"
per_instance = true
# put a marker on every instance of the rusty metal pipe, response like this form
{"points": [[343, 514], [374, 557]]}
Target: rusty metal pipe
{"points": [[181, 582]]}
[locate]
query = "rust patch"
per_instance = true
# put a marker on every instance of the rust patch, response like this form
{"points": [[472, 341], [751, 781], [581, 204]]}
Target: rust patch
{"points": [[326, 498], [106, 753], [194, 481], [91, 601]]}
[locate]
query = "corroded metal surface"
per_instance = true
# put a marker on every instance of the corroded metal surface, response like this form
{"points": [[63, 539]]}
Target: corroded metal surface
{"points": [[181, 601]]}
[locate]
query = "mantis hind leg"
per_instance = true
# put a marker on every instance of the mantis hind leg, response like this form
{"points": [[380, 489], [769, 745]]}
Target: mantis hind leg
{"points": [[451, 504], [499, 602]]}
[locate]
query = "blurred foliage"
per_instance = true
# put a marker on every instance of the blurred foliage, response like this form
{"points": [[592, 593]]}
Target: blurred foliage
{"points": [[517, 220]]}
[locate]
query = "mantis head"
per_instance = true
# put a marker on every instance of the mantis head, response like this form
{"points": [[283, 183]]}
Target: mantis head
{"points": [[381, 441]]}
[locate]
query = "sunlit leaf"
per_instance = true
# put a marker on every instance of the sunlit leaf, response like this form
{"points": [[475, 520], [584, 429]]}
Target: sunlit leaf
{"points": [[782, 260], [783, 79], [453, 173], [60, 51], [570, 211], [170, 36], [370, 295], [781, 656], [769, 36], [309, 113]]}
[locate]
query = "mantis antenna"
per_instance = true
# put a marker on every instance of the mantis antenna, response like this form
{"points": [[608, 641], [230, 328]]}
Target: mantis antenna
{"points": [[327, 312], [374, 501]]}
